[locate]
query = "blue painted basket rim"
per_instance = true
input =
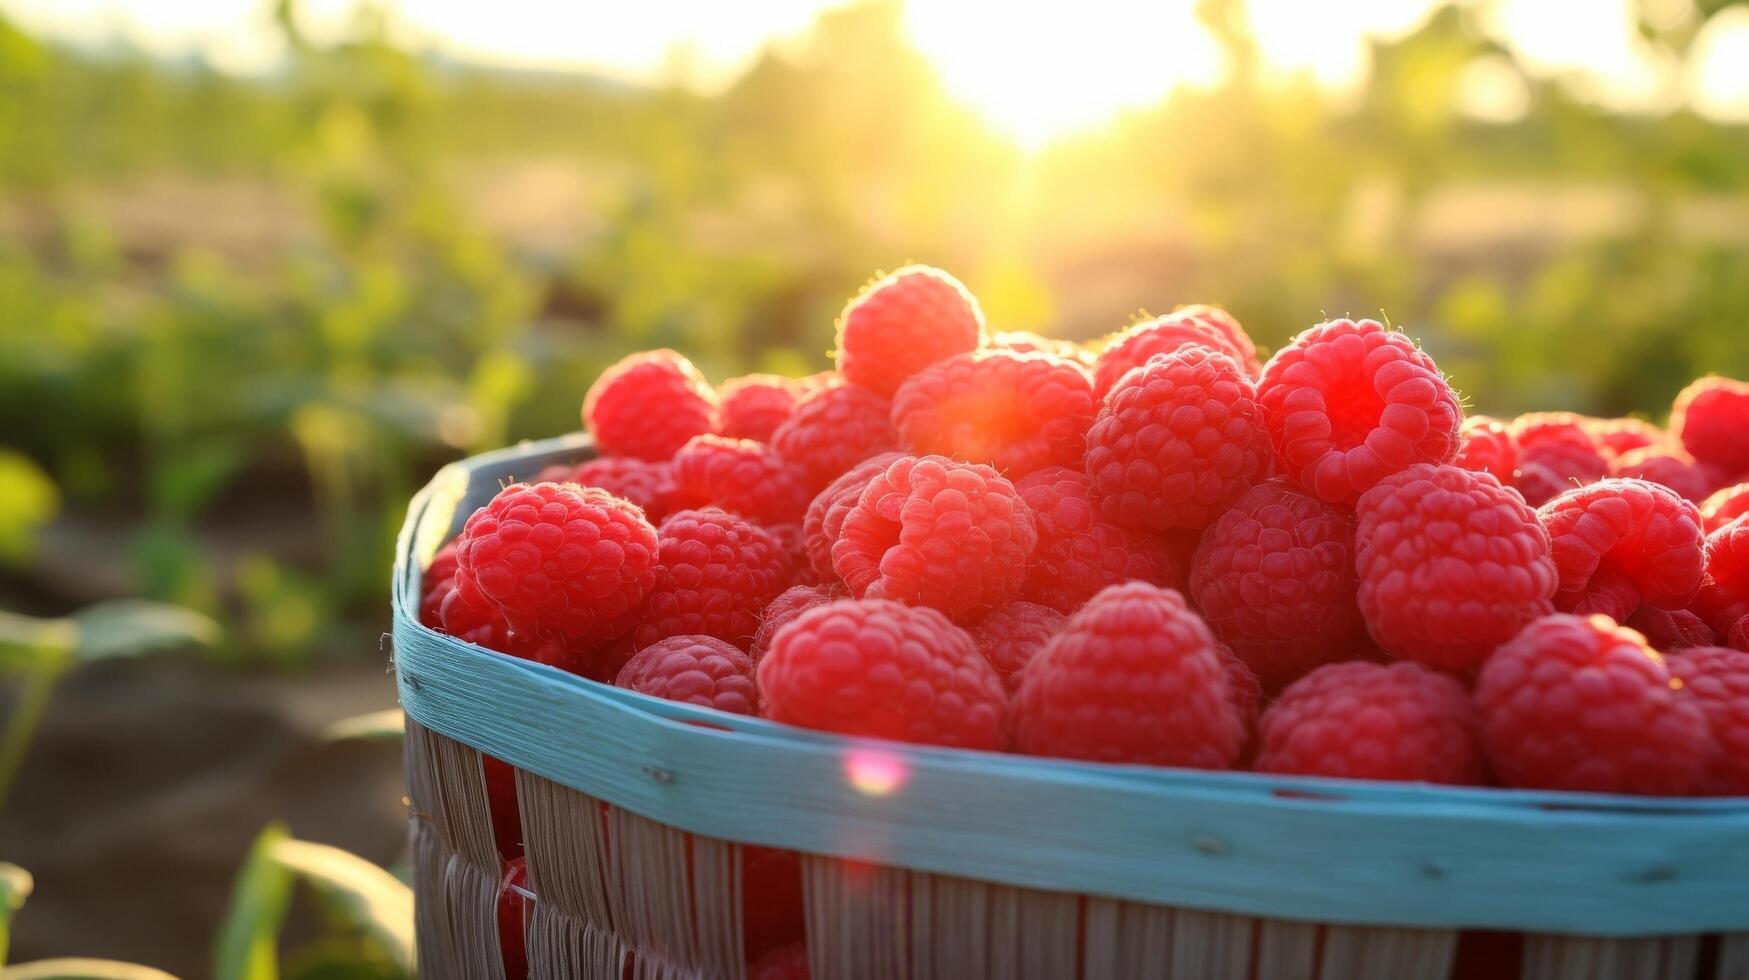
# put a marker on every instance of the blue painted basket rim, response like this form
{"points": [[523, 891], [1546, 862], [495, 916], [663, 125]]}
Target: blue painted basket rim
{"points": [[1386, 854]]}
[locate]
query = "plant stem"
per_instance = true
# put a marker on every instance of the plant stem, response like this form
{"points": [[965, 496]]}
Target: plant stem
{"points": [[33, 702]]}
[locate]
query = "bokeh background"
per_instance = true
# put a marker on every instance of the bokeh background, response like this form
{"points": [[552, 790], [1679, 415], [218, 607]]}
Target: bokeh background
{"points": [[265, 267]]}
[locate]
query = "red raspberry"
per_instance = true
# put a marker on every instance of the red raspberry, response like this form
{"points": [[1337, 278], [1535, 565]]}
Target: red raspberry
{"points": [[1079, 552], [1711, 418], [1203, 326], [1618, 437], [1579, 703], [512, 908], [771, 898], [782, 963], [903, 323], [1723, 600], [1667, 467], [1718, 680], [1027, 342], [716, 574], [1349, 403], [1555, 453], [557, 560], [1359, 720], [1016, 412], [825, 517], [649, 485], [1451, 565], [435, 585], [740, 476], [1246, 691], [789, 604], [648, 405], [1668, 630], [1135, 676], [1274, 576], [1618, 543], [701, 670], [1485, 446], [934, 532], [502, 804], [1177, 441], [590, 656], [1719, 509], [1011, 636], [754, 405], [832, 430], [877, 668]]}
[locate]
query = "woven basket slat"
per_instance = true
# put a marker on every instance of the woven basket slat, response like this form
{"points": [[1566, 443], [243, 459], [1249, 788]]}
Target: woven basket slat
{"points": [[716, 904], [1371, 953], [457, 860], [1126, 939], [857, 918], [951, 921], [1210, 944], [1564, 957], [1287, 950], [1733, 963], [1033, 934], [561, 947]]}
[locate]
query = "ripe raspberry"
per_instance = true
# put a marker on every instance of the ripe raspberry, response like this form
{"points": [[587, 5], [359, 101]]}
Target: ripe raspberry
{"points": [[1079, 552], [1555, 454], [1027, 342], [1579, 703], [1203, 326], [716, 574], [1719, 509], [1359, 720], [1668, 630], [771, 898], [1011, 636], [825, 517], [754, 405], [789, 604], [435, 585], [740, 476], [479, 623], [1718, 680], [1135, 676], [1274, 577], [701, 670], [1618, 437], [649, 485], [1617, 543], [1451, 565], [1349, 403], [1177, 441], [1485, 446], [1242, 686], [1666, 467], [557, 560], [781, 963], [903, 323], [939, 533], [1711, 418], [648, 405], [1016, 412], [832, 430], [877, 668], [502, 804], [1723, 600], [512, 908]]}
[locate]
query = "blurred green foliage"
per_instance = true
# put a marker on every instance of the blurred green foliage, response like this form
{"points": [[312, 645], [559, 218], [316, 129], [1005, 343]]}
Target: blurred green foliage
{"points": [[268, 308]]}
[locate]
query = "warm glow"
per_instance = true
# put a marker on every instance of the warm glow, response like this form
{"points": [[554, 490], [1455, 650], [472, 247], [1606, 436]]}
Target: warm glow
{"points": [[875, 772]]}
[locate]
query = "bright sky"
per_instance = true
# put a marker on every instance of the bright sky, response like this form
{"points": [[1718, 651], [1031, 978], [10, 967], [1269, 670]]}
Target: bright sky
{"points": [[1036, 71]]}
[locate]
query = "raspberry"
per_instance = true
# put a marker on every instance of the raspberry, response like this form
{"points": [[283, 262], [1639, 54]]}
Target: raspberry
{"points": [[1203, 326], [1723, 600], [1016, 412], [501, 803], [1177, 441], [1672, 629], [557, 561], [1667, 467], [825, 517], [715, 575], [1451, 565], [1555, 453], [649, 485], [754, 405], [701, 670], [1011, 636], [781, 963], [1711, 418], [1618, 437], [512, 907], [1079, 552], [1359, 720], [1718, 680], [740, 476], [878, 668], [903, 323], [832, 430], [771, 898], [1135, 676], [648, 405], [934, 532], [478, 623], [435, 585], [789, 604], [792, 541], [1349, 403], [1617, 543], [1027, 342], [1579, 703], [1242, 686], [1485, 446], [1719, 509], [1274, 577]]}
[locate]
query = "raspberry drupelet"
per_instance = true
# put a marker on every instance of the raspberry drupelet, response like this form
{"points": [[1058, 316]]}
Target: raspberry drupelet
{"points": [[1204, 326], [832, 430], [1618, 543], [1725, 506], [1711, 419], [789, 604], [649, 485], [701, 670], [1486, 446], [1669, 467], [1556, 452], [740, 476], [1717, 679], [904, 322], [825, 517], [1079, 552], [1016, 412], [754, 405], [715, 574], [1011, 636], [648, 405]]}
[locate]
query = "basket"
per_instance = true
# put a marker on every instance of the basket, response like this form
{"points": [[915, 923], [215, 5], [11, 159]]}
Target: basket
{"points": [[938, 863]]}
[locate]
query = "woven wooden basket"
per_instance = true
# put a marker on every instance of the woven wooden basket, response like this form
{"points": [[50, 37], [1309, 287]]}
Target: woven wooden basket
{"points": [[921, 862]]}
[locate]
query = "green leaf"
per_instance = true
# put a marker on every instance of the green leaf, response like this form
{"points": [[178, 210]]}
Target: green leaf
{"points": [[386, 725], [76, 968], [130, 627], [15, 886], [29, 645], [363, 894], [28, 500], [247, 946]]}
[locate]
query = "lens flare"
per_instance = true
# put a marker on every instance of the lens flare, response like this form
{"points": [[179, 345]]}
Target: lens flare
{"points": [[875, 772]]}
